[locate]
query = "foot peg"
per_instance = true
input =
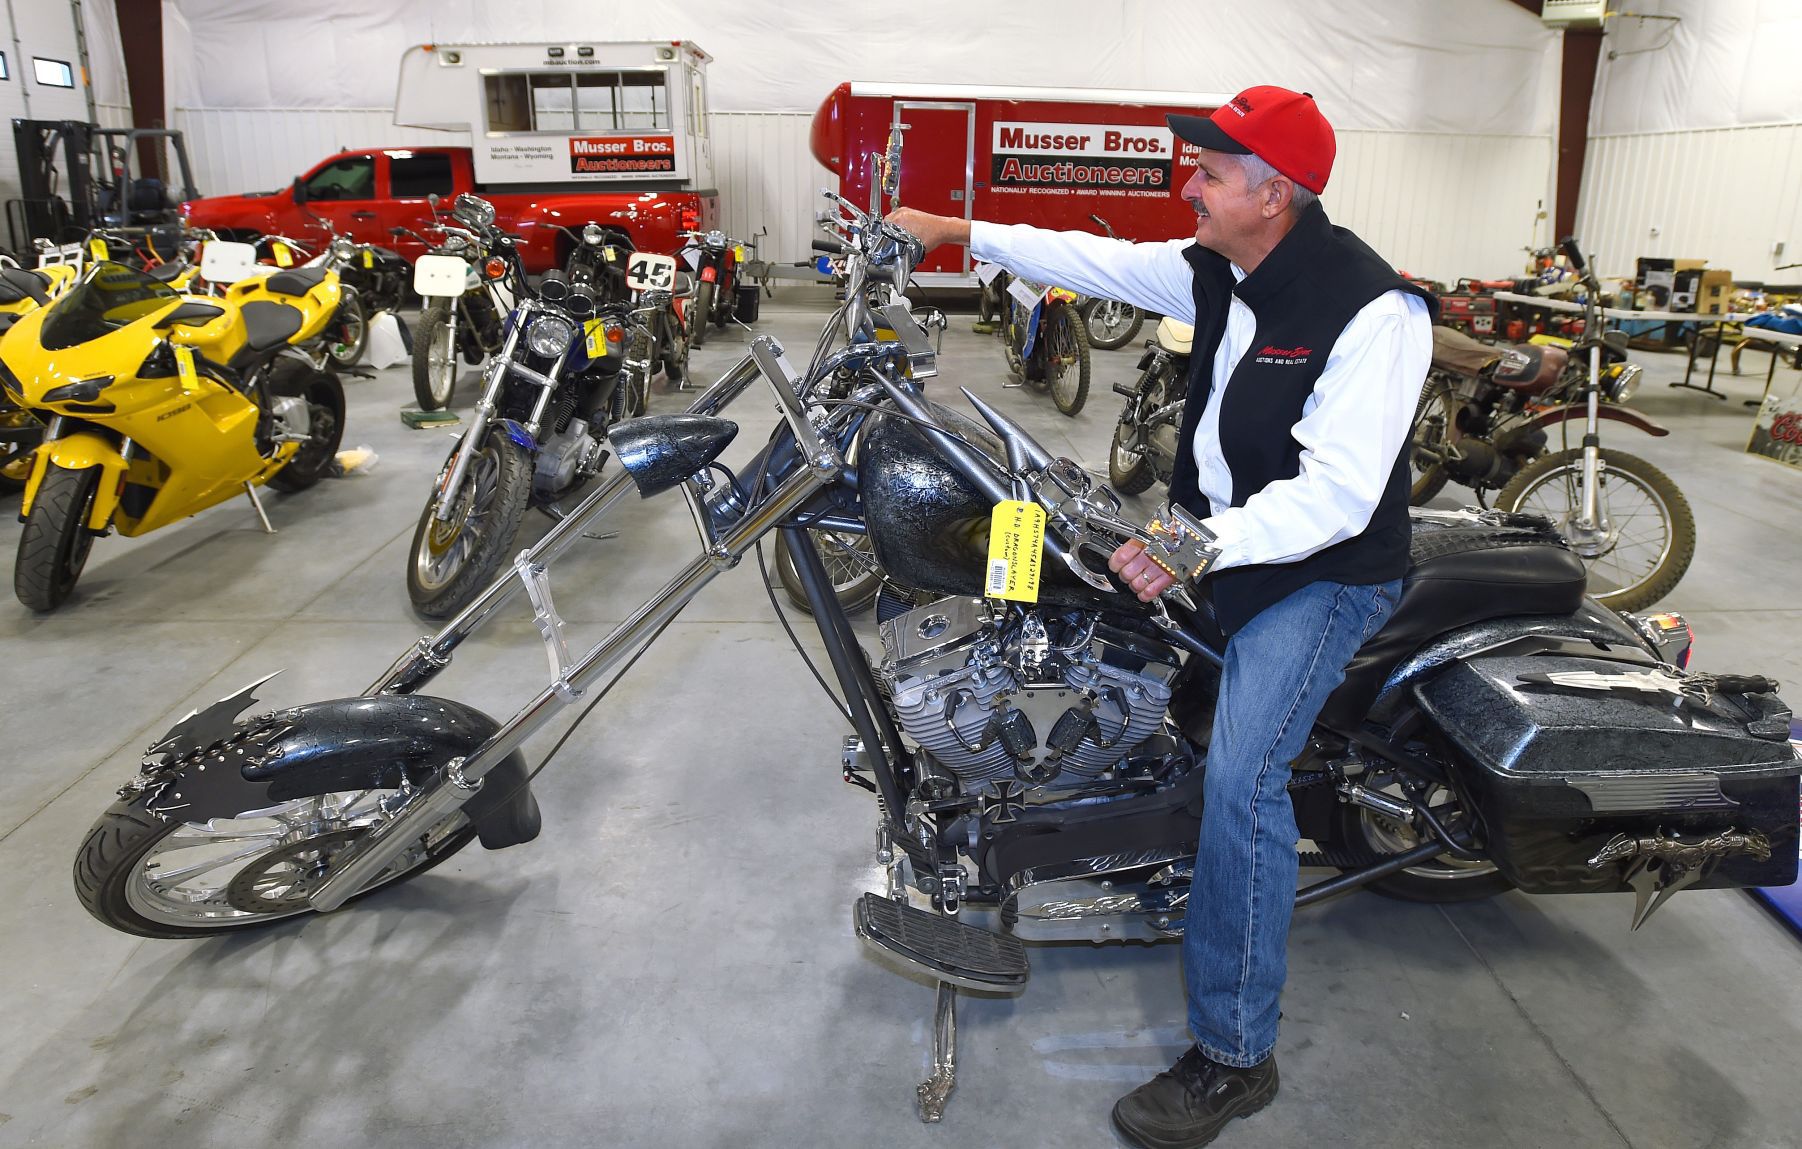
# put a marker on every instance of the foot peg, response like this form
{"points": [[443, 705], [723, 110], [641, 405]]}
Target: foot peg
{"points": [[941, 947]]}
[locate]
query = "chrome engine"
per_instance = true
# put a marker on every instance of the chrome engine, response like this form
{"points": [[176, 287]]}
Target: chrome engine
{"points": [[1056, 700]]}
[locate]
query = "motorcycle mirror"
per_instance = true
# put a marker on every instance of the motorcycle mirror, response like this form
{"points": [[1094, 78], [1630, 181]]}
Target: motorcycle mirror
{"points": [[472, 211]]}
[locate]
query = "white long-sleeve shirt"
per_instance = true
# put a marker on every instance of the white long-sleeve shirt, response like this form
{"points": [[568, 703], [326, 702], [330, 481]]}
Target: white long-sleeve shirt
{"points": [[1353, 424]]}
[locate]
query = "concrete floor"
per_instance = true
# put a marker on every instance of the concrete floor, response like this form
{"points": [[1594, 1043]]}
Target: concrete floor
{"points": [[672, 962]]}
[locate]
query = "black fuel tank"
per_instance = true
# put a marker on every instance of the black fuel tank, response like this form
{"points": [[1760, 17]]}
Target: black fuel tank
{"points": [[930, 525]]}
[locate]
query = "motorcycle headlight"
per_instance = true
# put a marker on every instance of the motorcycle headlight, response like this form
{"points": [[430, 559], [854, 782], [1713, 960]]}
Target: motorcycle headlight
{"points": [[343, 249], [549, 335], [1622, 381]]}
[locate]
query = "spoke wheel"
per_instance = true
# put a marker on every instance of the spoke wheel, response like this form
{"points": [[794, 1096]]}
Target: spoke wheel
{"points": [[454, 558], [434, 359], [1646, 534], [1435, 426], [1111, 324], [1066, 357], [850, 562], [1128, 471]]}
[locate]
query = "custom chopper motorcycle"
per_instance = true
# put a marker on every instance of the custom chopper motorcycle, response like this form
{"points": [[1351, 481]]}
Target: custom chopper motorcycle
{"points": [[1483, 418], [538, 432], [158, 405], [1034, 735]]}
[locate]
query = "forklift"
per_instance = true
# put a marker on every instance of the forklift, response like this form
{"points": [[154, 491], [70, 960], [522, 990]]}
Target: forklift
{"points": [[75, 177]]}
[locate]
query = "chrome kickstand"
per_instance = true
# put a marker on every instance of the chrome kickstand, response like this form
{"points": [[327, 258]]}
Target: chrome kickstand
{"points": [[257, 502], [936, 1090]]}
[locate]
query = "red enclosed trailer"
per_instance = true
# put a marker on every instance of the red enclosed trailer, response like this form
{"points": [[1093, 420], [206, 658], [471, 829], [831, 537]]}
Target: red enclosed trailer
{"points": [[1050, 157]]}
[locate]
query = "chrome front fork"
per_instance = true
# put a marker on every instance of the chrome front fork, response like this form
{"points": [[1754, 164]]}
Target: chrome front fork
{"points": [[1590, 512], [459, 781], [478, 422]]}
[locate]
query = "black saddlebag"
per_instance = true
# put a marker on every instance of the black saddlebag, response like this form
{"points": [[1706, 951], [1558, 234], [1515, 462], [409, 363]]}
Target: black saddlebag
{"points": [[1557, 773]]}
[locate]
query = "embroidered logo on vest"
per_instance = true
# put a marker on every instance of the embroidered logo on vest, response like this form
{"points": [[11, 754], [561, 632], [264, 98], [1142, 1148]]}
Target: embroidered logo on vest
{"points": [[1283, 356]]}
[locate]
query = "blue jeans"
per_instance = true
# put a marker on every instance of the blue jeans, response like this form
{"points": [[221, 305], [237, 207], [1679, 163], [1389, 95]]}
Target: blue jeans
{"points": [[1280, 668]]}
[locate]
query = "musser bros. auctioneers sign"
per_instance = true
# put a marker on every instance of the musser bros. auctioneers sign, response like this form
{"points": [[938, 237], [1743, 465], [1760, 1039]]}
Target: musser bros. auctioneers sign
{"points": [[1101, 156]]}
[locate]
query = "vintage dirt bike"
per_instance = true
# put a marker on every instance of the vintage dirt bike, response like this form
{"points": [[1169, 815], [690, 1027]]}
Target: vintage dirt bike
{"points": [[721, 295], [1110, 323], [1039, 764], [1482, 420], [1045, 340], [158, 405], [1145, 439], [23, 291], [538, 431], [460, 321]]}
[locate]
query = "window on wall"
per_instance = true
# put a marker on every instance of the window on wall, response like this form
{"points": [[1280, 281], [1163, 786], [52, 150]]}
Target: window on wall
{"points": [[5, 72], [580, 102], [53, 73]]}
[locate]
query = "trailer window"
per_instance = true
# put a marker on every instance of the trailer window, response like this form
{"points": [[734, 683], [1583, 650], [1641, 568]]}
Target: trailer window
{"points": [[553, 103], [697, 103], [509, 102]]}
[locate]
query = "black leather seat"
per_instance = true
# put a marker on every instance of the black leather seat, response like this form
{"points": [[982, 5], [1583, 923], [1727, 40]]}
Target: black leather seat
{"points": [[16, 284], [267, 326], [295, 280], [164, 272], [1460, 575]]}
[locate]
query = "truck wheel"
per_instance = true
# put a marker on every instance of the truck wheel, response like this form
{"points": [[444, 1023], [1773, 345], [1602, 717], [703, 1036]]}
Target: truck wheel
{"points": [[434, 359]]}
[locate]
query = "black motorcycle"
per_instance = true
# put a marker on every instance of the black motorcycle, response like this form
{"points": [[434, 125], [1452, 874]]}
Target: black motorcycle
{"points": [[1042, 755], [1144, 448], [559, 379], [721, 293]]}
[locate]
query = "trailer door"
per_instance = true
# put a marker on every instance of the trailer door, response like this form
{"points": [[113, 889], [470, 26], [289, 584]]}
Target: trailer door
{"points": [[938, 173]]}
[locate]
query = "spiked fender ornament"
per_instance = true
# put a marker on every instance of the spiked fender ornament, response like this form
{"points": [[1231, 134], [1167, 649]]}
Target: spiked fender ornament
{"points": [[1661, 866]]}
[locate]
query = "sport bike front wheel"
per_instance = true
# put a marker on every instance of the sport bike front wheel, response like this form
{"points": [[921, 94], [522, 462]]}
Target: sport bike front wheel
{"points": [[1645, 536], [53, 547]]}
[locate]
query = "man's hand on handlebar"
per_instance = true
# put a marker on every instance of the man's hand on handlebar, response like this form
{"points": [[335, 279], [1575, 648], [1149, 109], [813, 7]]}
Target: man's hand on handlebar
{"points": [[1135, 568], [932, 230]]}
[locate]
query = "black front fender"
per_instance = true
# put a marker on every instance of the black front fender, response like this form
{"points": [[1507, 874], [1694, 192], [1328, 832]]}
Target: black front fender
{"points": [[347, 744]]}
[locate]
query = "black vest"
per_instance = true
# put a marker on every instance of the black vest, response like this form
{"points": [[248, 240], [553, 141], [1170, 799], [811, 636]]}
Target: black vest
{"points": [[1302, 295]]}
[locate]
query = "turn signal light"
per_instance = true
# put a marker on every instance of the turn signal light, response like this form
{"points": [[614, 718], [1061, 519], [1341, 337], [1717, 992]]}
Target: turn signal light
{"points": [[495, 268]]}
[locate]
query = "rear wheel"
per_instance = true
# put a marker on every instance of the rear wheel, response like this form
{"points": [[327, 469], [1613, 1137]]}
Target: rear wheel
{"points": [[454, 559], [1647, 534], [1128, 471], [1367, 837], [54, 546], [1066, 354], [434, 359], [324, 397], [143, 875], [850, 562], [348, 336]]}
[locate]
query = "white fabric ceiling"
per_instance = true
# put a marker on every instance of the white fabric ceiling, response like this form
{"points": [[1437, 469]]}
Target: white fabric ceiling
{"points": [[1472, 66], [1722, 63]]}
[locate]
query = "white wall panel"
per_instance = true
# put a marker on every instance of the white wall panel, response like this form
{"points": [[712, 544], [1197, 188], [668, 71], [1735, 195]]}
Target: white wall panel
{"points": [[1725, 195], [1438, 205]]}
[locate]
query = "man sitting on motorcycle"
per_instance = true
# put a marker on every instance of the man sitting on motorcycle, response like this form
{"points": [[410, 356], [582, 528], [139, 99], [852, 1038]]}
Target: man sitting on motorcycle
{"points": [[1314, 352]]}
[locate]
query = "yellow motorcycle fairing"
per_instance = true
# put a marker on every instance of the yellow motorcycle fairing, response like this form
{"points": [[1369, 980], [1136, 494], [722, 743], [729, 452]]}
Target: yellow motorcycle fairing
{"points": [[194, 439]]}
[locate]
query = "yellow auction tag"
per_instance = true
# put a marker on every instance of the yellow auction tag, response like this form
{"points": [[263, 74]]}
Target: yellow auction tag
{"points": [[738, 253], [611, 255], [184, 367], [1016, 546], [97, 249], [596, 330], [283, 257], [368, 258]]}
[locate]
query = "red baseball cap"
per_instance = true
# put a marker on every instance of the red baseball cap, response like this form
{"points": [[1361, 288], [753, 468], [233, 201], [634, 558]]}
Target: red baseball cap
{"points": [[1284, 129]]}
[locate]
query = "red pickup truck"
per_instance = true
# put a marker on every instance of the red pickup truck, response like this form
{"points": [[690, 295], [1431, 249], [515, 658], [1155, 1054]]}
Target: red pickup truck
{"points": [[365, 193]]}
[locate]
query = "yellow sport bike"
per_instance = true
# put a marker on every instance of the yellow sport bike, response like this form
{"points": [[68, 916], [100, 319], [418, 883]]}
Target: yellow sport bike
{"points": [[158, 405]]}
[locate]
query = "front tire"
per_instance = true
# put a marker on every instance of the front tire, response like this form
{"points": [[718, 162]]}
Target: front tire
{"points": [[1066, 353], [1111, 324], [1629, 568], [121, 878], [54, 546], [1128, 471], [434, 359], [454, 560], [850, 562], [700, 310]]}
